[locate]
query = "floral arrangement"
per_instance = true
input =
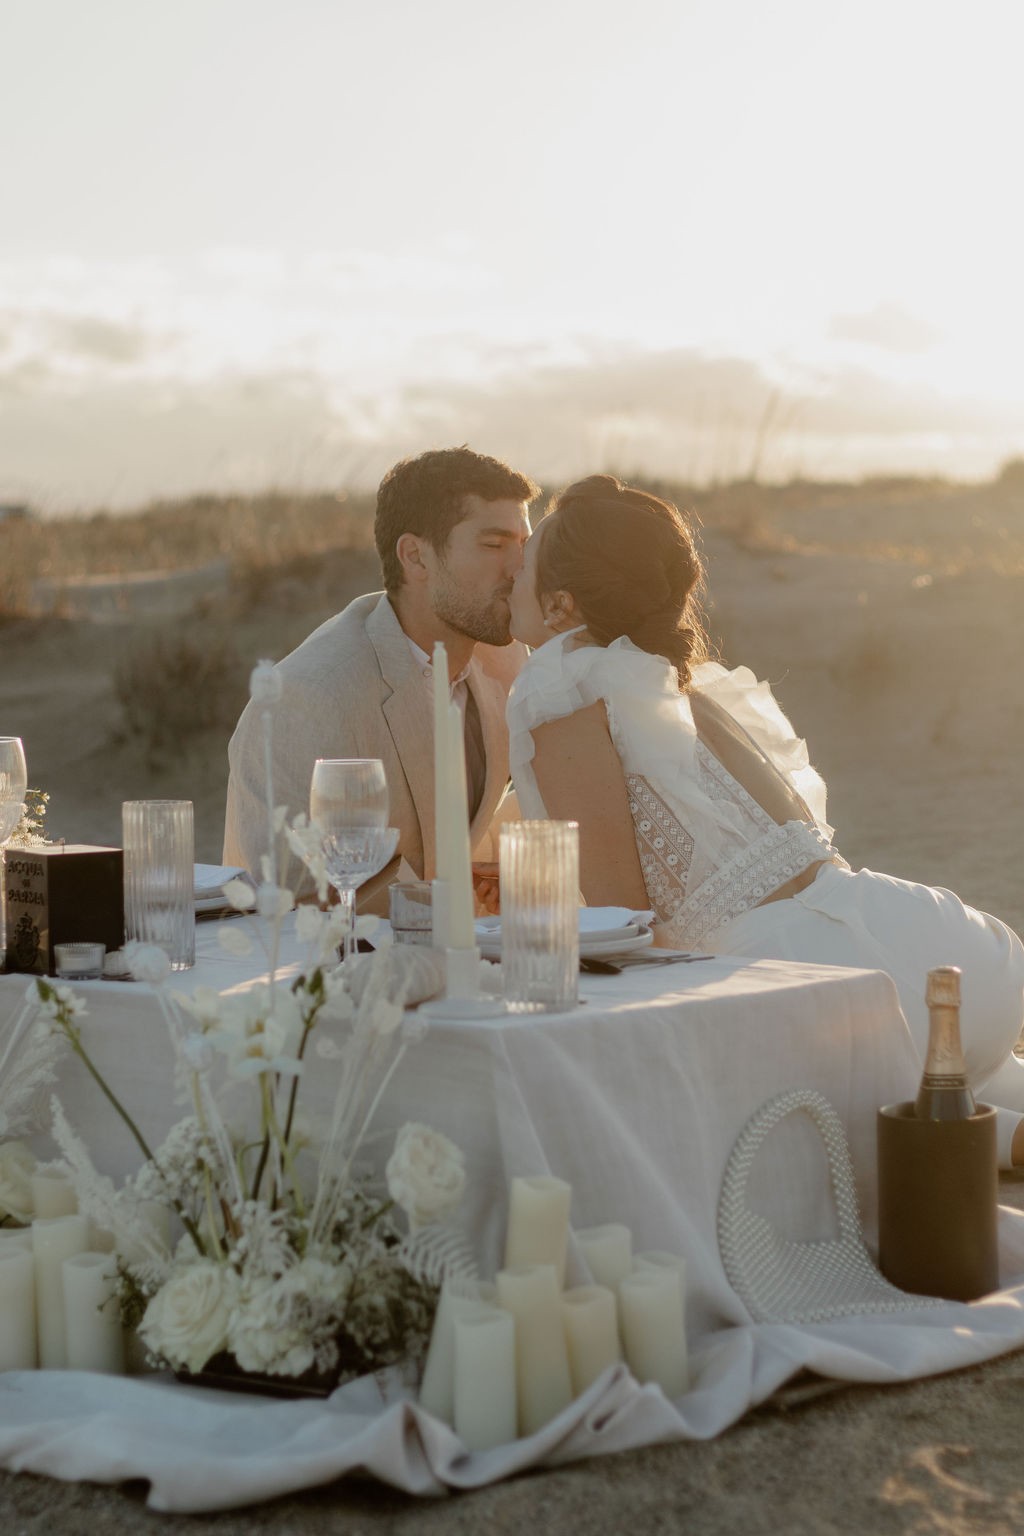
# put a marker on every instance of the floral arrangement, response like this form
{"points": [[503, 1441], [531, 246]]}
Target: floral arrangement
{"points": [[291, 1262], [30, 831]]}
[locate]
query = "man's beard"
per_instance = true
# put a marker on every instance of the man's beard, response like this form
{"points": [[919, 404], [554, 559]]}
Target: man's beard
{"points": [[484, 622]]}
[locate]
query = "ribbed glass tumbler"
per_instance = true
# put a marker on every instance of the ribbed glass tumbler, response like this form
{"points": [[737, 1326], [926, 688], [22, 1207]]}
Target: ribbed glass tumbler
{"points": [[159, 877], [539, 872]]}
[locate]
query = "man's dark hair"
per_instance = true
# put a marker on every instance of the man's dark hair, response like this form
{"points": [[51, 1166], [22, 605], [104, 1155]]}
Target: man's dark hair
{"points": [[425, 496]]}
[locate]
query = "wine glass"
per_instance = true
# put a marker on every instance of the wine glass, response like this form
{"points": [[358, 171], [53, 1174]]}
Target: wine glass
{"points": [[13, 784], [348, 803]]}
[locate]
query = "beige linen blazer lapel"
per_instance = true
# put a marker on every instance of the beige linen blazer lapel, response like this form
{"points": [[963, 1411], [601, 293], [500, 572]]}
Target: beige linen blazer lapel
{"points": [[408, 712]]}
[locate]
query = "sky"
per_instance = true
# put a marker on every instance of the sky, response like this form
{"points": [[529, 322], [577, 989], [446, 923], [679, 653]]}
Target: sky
{"points": [[281, 243]]}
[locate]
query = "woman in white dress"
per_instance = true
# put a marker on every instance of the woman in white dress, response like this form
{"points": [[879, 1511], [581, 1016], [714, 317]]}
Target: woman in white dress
{"points": [[695, 797]]}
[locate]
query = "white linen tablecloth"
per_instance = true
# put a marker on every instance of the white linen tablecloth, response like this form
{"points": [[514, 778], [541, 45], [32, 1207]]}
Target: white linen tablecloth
{"points": [[635, 1098]]}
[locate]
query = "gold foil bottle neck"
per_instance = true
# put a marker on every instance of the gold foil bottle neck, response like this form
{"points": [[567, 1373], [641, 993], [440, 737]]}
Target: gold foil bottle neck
{"points": [[943, 988]]}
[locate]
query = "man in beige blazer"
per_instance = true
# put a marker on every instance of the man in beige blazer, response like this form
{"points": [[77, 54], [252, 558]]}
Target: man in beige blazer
{"points": [[450, 527]]}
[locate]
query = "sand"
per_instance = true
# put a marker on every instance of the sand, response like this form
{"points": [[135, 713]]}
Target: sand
{"points": [[903, 675]]}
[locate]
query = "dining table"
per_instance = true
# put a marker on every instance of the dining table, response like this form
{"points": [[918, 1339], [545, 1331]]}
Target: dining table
{"points": [[636, 1097]]}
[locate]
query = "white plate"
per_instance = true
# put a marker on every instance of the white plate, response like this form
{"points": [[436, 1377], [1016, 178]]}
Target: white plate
{"points": [[590, 948], [208, 880], [212, 904]]}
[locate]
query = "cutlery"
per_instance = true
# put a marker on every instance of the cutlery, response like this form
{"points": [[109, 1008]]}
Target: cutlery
{"points": [[614, 967]]}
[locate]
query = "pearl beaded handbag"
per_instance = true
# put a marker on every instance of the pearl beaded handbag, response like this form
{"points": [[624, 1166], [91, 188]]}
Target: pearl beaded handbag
{"points": [[781, 1280]]}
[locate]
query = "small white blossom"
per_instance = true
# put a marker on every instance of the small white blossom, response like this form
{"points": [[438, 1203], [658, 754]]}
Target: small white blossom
{"points": [[273, 900], [204, 1004], [62, 1000], [147, 962], [257, 1030], [240, 895], [265, 685], [197, 1051], [279, 1325], [367, 926]]}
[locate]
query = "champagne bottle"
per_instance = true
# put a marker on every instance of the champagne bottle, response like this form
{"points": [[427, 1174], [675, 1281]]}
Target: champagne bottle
{"points": [[944, 1093]]}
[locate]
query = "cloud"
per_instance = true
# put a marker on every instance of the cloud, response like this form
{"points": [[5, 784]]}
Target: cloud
{"points": [[117, 438], [887, 327], [96, 340]]}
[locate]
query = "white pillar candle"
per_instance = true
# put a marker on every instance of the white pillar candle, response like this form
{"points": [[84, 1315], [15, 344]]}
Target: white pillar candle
{"points": [[92, 1317], [437, 1390], [461, 933], [654, 1258], [538, 1223], [608, 1251], [54, 1239], [485, 1377], [15, 1237], [591, 1333], [17, 1309], [653, 1329], [53, 1193], [543, 1381]]}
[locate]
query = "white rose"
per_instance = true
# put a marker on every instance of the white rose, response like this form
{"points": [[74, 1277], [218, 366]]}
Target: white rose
{"points": [[186, 1322], [17, 1166], [426, 1174]]}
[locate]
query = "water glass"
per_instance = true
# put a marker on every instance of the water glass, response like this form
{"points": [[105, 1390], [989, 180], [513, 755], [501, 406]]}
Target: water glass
{"points": [[411, 912], [540, 936], [159, 877]]}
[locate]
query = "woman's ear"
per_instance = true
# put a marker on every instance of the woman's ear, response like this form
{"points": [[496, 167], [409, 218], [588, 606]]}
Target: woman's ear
{"points": [[560, 611]]}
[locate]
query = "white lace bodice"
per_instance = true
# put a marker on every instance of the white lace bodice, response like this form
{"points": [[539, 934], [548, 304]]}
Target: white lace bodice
{"points": [[708, 850]]}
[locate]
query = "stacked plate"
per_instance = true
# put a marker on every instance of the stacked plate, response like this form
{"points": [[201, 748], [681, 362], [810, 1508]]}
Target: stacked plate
{"points": [[604, 932], [209, 881]]}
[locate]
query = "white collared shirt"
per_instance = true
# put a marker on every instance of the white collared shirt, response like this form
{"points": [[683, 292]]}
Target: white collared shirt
{"points": [[459, 685]]}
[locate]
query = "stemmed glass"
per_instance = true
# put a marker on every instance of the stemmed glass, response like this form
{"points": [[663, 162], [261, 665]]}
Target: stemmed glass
{"points": [[13, 784], [348, 803]]}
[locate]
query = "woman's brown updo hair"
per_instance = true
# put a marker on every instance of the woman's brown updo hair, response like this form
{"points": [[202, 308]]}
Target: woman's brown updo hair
{"points": [[630, 561]]}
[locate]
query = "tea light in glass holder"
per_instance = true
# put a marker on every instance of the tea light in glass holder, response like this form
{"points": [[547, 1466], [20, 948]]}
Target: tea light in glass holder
{"points": [[79, 961]]}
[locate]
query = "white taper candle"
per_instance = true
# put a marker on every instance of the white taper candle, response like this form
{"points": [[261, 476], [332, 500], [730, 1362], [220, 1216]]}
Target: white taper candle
{"points": [[485, 1377], [543, 1381], [460, 876], [92, 1318], [17, 1309], [442, 787], [54, 1239]]}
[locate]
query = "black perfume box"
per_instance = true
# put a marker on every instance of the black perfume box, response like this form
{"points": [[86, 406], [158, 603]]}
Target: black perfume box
{"points": [[61, 893]]}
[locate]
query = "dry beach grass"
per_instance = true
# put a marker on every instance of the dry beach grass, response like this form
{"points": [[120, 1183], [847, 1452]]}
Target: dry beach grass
{"points": [[889, 617]]}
